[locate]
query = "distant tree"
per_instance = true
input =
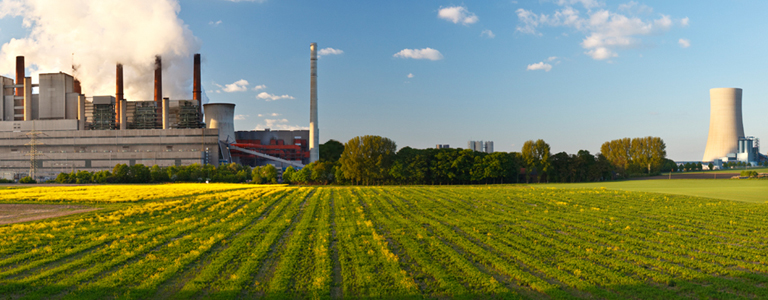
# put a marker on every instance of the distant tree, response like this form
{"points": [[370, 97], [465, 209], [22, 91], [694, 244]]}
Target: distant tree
{"points": [[256, 177], [331, 150], [699, 166], [367, 159], [269, 174], [139, 173], [711, 166], [322, 172], [27, 179], [121, 173], [304, 175], [536, 157], [288, 174]]}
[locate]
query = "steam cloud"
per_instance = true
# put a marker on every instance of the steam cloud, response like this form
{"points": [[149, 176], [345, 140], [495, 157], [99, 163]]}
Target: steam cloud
{"points": [[101, 34]]}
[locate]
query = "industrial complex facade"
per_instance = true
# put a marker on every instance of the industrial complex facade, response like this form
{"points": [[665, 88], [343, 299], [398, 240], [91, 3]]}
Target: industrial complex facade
{"points": [[59, 129]]}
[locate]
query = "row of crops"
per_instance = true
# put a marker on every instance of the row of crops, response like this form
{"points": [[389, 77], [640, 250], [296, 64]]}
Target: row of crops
{"points": [[233, 242]]}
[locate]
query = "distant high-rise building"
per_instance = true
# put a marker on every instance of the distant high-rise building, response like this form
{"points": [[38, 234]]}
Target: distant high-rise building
{"points": [[442, 146], [489, 147], [480, 146]]}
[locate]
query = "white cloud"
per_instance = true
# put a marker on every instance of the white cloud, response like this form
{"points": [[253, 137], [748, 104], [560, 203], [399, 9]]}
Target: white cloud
{"points": [[259, 87], [426, 53], [684, 43], [237, 86], [684, 22], [635, 8], [457, 14], [279, 124], [241, 117], [271, 97], [54, 30], [274, 114], [605, 31], [551, 58], [488, 33], [539, 66], [410, 75], [212, 23], [588, 4], [259, 115], [329, 51]]}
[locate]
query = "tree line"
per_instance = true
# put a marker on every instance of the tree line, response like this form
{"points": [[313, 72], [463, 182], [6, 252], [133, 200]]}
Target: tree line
{"points": [[373, 160]]}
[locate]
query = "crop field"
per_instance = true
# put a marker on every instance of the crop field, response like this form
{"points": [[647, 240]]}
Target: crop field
{"points": [[471, 242], [747, 190]]}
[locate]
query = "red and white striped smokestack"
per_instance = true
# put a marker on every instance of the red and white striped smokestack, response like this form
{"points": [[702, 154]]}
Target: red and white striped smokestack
{"points": [[158, 81], [20, 75]]}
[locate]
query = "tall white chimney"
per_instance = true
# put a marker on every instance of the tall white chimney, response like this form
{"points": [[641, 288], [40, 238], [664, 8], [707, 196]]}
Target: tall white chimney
{"points": [[314, 149]]}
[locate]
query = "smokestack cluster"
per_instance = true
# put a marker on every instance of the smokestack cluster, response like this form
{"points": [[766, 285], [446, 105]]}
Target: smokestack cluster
{"points": [[314, 150]]}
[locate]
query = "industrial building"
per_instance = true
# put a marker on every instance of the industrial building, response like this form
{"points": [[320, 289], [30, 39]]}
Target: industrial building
{"points": [[60, 129], [726, 141]]}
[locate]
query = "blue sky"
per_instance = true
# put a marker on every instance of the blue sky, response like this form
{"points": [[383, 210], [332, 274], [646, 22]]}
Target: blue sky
{"points": [[574, 73]]}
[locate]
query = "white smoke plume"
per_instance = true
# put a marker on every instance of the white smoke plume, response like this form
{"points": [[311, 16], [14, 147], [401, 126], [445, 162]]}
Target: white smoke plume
{"points": [[96, 35]]}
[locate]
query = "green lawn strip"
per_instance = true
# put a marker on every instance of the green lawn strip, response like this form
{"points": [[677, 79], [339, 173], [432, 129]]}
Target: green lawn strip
{"points": [[478, 281], [229, 286], [367, 266], [319, 285], [119, 253], [577, 223], [91, 235], [164, 258], [287, 270], [747, 190], [444, 276], [488, 258], [236, 247]]}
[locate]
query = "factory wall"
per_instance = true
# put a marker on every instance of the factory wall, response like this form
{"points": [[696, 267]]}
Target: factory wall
{"points": [[94, 150]]}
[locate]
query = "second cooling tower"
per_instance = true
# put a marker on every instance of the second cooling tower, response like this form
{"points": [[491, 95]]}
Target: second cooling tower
{"points": [[221, 116], [725, 125]]}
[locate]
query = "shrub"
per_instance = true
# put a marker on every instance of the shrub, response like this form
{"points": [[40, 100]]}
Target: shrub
{"points": [[27, 180]]}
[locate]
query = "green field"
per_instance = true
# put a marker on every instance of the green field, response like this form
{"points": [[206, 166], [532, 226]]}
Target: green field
{"points": [[728, 171], [747, 190], [469, 242]]}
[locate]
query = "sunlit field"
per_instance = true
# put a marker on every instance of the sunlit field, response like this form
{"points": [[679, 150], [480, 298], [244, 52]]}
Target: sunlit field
{"points": [[747, 190], [474, 242]]}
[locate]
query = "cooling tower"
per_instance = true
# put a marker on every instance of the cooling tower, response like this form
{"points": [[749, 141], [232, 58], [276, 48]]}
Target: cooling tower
{"points": [[725, 125], [221, 116], [314, 149]]}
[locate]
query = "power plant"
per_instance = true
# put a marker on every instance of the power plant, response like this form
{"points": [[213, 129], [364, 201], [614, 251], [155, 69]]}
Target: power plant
{"points": [[726, 141], [60, 129]]}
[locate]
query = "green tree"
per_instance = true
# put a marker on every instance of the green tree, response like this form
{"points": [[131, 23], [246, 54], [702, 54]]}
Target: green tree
{"points": [[322, 172], [331, 150], [288, 174], [367, 159], [269, 174], [536, 157], [256, 177], [157, 174], [121, 173]]}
